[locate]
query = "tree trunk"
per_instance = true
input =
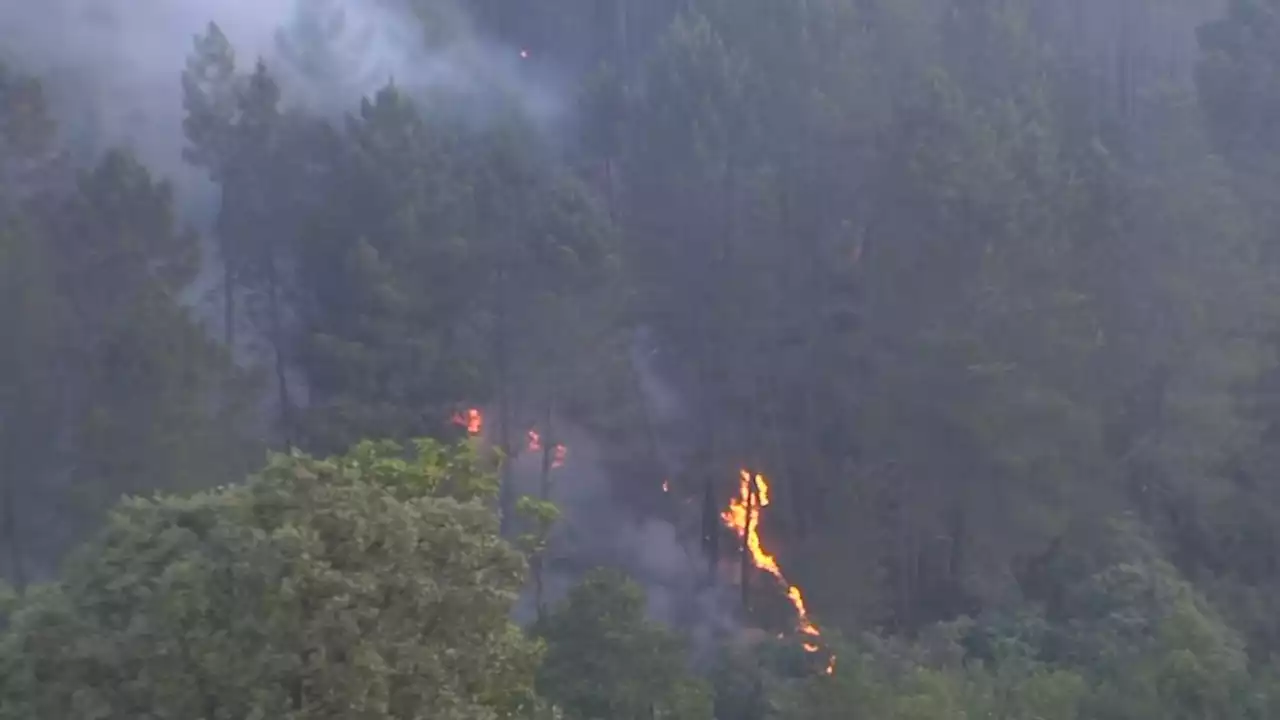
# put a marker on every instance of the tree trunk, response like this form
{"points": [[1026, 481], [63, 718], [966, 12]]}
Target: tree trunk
{"points": [[544, 494], [228, 273], [277, 341], [646, 417], [228, 301], [507, 491], [610, 193], [710, 529], [548, 453], [9, 530], [752, 504]]}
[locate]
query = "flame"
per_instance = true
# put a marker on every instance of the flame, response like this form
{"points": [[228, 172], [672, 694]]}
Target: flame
{"points": [[738, 517], [559, 453], [472, 420], [666, 487]]}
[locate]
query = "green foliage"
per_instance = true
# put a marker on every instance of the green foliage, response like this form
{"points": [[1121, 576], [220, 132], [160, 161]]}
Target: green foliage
{"points": [[367, 585], [542, 514], [606, 660], [1239, 78], [156, 400], [445, 265], [1236, 78], [1132, 640], [111, 385], [984, 288]]}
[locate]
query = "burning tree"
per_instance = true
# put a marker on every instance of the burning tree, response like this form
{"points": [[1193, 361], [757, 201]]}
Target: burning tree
{"points": [[743, 517]]}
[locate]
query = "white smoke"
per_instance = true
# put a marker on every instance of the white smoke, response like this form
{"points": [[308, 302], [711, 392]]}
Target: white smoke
{"points": [[656, 544], [112, 68], [599, 529], [112, 72]]}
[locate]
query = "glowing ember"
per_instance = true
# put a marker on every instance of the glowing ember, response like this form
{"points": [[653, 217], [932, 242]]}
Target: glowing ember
{"points": [[472, 420], [559, 453], [738, 517]]}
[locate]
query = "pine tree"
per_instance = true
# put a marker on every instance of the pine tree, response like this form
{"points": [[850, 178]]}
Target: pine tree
{"points": [[210, 89]]}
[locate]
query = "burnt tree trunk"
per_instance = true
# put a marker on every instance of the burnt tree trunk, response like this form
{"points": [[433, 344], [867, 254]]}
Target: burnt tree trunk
{"points": [[753, 502]]}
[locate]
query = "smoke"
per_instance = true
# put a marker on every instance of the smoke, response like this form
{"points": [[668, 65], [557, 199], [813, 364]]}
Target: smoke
{"points": [[112, 72], [335, 50], [600, 528], [626, 521], [112, 67]]}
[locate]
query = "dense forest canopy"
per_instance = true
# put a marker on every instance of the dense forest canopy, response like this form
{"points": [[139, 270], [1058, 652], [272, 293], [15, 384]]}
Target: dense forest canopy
{"points": [[632, 359]]}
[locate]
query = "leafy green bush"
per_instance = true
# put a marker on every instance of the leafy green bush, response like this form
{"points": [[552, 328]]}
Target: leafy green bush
{"points": [[363, 586]]}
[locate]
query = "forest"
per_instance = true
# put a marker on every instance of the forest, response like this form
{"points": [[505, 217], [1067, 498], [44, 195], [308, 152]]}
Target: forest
{"points": [[640, 359]]}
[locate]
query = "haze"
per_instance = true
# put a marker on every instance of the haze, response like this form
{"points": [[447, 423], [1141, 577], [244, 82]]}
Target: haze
{"points": [[638, 359]]}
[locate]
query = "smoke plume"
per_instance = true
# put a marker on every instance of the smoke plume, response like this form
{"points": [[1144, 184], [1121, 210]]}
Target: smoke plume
{"points": [[598, 527], [112, 71], [112, 67]]}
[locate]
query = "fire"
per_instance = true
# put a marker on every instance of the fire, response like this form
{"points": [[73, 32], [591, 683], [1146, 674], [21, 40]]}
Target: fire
{"points": [[666, 486], [559, 453], [472, 420], [737, 518], [742, 516]]}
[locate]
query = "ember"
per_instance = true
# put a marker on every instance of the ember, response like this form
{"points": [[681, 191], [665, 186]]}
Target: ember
{"points": [[472, 420], [559, 453]]}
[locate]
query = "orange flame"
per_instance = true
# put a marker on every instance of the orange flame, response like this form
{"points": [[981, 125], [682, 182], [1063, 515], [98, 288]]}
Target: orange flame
{"points": [[472, 420], [738, 518], [559, 453]]}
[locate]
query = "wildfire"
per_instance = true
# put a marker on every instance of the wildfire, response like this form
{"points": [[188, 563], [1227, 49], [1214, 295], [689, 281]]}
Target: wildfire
{"points": [[558, 454], [742, 516], [472, 420]]}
